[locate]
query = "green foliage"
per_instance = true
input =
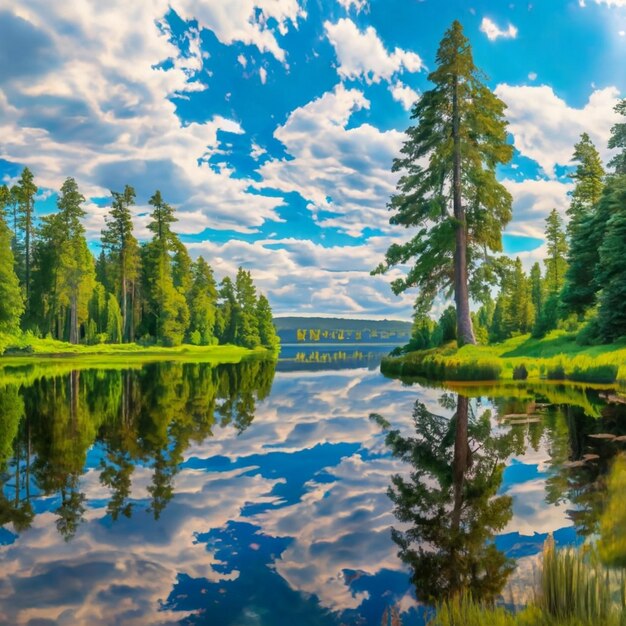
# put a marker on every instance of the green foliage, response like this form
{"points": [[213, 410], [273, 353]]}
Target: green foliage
{"points": [[121, 246], [202, 303], [246, 321], [267, 330], [612, 269], [589, 181], [114, 320], [555, 263], [11, 299], [520, 372], [446, 326], [455, 201]]}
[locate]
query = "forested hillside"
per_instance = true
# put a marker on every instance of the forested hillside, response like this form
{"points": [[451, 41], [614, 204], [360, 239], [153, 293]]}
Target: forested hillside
{"points": [[341, 330]]}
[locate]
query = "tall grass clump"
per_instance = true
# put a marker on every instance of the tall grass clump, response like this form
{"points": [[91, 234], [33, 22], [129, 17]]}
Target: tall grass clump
{"points": [[576, 588]]}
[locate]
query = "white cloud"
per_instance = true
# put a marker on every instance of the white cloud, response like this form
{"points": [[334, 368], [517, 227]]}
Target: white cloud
{"points": [[298, 274], [403, 94], [244, 20], [263, 75], [532, 76], [493, 31], [363, 55], [545, 128], [111, 122], [345, 171], [359, 5], [532, 202]]}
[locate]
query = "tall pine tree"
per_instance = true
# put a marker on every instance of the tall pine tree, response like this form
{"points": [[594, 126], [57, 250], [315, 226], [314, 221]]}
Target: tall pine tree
{"points": [[454, 200], [119, 241], [11, 299]]}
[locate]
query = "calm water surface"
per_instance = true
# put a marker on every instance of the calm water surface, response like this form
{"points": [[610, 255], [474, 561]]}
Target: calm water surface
{"points": [[257, 494]]}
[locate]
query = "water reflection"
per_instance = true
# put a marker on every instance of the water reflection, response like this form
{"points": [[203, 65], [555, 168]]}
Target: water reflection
{"points": [[144, 417], [194, 494], [448, 505]]}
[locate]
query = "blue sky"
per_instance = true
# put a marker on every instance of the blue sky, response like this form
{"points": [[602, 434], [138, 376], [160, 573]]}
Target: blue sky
{"points": [[271, 124]]}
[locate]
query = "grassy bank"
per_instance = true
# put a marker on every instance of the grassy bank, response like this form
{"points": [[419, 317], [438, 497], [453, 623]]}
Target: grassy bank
{"points": [[16, 349], [555, 357]]}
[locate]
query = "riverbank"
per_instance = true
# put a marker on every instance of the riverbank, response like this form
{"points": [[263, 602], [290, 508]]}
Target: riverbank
{"points": [[22, 348], [555, 357]]}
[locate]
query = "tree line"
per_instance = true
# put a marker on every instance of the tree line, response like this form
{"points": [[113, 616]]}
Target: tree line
{"points": [[448, 192], [153, 292]]}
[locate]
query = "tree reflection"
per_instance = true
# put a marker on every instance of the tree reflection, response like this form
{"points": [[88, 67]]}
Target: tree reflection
{"points": [[146, 417], [448, 505]]}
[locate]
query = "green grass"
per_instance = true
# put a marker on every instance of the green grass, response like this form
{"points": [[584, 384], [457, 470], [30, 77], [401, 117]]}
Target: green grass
{"points": [[19, 349], [556, 357]]}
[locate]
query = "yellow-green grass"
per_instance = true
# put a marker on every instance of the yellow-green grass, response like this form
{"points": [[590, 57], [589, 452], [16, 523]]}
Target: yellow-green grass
{"points": [[556, 357], [22, 349]]}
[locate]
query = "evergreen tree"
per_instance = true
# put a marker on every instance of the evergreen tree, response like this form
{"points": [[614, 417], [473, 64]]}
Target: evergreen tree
{"points": [[556, 264], [227, 312], [247, 324], [11, 299], [76, 271], [589, 181], [582, 277], [522, 313], [181, 267], [536, 288], [162, 218], [167, 304], [618, 142], [25, 224], [98, 308], [103, 272], [455, 201], [267, 330], [202, 303], [612, 268], [114, 323], [120, 243]]}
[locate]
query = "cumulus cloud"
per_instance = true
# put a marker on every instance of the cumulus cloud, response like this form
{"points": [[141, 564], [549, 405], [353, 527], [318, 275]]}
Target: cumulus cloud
{"points": [[493, 31], [247, 21], [341, 170], [545, 128], [111, 122], [299, 274], [362, 54], [403, 94]]}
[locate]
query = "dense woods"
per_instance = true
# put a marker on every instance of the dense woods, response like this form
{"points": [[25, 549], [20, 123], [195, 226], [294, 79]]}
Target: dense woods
{"points": [[150, 292]]}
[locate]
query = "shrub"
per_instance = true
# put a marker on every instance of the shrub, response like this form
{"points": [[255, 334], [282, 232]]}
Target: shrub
{"points": [[520, 372], [602, 374], [556, 372]]}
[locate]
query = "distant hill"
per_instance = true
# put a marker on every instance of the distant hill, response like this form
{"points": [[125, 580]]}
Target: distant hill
{"points": [[339, 330]]}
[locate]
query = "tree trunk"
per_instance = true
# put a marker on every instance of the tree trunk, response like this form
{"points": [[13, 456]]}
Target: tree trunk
{"points": [[464, 330], [124, 328], [27, 260], [74, 320]]}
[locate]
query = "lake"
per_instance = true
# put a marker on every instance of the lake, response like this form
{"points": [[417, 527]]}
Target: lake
{"points": [[265, 494]]}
